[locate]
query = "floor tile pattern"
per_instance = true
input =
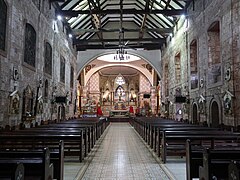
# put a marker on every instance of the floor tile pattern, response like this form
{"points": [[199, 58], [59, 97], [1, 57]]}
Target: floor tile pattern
{"points": [[122, 155]]}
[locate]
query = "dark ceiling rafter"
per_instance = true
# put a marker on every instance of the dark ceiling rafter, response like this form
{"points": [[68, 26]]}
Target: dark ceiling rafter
{"points": [[144, 19], [101, 24], [151, 15], [96, 19], [124, 11]]}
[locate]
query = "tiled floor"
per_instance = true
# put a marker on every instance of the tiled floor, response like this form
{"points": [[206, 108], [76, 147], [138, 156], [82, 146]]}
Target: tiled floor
{"points": [[121, 154]]}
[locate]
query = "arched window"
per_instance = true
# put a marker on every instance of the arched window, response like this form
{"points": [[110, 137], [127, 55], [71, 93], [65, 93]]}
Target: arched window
{"points": [[30, 45], [178, 67], [214, 53], [166, 80], [62, 69], [194, 64], [72, 77], [214, 44], [46, 89], [48, 59], [3, 24]]}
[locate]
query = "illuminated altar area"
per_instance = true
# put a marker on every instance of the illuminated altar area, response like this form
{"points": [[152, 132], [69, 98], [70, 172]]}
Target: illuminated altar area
{"points": [[120, 93], [120, 109]]}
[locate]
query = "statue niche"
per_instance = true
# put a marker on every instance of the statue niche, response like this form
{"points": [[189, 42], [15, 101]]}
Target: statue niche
{"points": [[27, 108], [14, 103]]}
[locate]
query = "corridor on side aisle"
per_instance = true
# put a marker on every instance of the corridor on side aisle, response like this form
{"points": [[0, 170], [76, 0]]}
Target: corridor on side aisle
{"points": [[123, 155]]}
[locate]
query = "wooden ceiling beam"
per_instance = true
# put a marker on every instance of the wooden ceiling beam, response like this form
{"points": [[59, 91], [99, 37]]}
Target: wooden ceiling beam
{"points": [[146, 46], [80, 41], [158, 30], [167, 12]]}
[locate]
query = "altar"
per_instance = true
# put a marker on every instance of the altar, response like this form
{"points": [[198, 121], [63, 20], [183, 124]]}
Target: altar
{"points": [[118, 113]]}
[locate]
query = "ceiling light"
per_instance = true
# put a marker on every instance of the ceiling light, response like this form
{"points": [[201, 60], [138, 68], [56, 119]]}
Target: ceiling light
{"points": [[70, 35], [59, 17]]}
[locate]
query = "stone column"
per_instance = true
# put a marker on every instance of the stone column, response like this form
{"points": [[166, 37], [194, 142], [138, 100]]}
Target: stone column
{"points": [[153, 99]]}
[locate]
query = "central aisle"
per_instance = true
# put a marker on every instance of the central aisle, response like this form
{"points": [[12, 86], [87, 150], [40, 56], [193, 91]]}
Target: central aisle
{"points": [[122, 155]]}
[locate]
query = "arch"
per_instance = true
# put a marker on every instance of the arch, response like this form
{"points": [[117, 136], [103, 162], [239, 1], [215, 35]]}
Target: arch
{"points": [[144, 71], [152, 57], [214, 114], [61, 113], [195, 119]]}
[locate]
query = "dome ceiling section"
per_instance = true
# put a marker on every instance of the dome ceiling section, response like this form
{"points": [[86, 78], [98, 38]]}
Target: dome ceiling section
{"points": [[142, 23]]}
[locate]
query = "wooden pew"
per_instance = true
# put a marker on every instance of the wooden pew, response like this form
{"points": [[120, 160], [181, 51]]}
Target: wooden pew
{"points": [[174, 143], [216, 162], [73, 143], [36, 163], [194, 155], [234, 170], [157, 134], [14, 171], [65, 129]]}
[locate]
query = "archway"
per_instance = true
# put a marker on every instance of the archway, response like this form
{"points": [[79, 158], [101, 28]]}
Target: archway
{"points": [[152, 57], [214, 114], [99, 81], [61, 113], [194, 114]]}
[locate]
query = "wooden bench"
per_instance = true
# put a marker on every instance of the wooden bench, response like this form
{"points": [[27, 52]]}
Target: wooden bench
{"points": [[73, 143], [174, 143], [65, 129], [216, 162], [14, 171], [234, 170], [157, 134], [36, 163], [194, 159]]}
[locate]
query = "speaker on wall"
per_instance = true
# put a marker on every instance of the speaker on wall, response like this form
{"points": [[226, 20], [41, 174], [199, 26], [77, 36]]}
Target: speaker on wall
{"points": [[61, 99], [180, 99]]}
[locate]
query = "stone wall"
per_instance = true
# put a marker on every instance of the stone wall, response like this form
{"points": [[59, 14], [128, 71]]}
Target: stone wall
{"points": [[48, 29], [226, 91]]}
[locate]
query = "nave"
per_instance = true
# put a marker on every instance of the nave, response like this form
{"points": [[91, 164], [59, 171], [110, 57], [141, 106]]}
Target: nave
{"points": [[120, 153]]}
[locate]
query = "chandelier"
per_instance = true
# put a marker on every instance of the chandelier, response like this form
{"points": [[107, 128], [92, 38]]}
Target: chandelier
{"points": [[121, 55], [120, 79]]}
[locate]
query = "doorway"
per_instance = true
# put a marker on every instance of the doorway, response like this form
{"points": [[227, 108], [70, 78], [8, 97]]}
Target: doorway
{"points": [[194, 114], [215, 114]]}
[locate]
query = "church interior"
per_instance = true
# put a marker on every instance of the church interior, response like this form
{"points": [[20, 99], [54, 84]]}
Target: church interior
{"points": [[142, 70]]}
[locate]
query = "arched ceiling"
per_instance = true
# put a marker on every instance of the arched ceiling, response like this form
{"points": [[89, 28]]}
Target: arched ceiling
{"points": [[126, 68], [117, 24], [115, 70]]}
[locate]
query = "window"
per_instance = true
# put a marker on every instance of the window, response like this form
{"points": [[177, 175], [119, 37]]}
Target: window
{"points": [[178, 67], [72, 77], [166, 80], [214, 54], [62, 69], [48, 59], [214, 44], [193, 64], [30, 45], [46, 90], [3, 24]]}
